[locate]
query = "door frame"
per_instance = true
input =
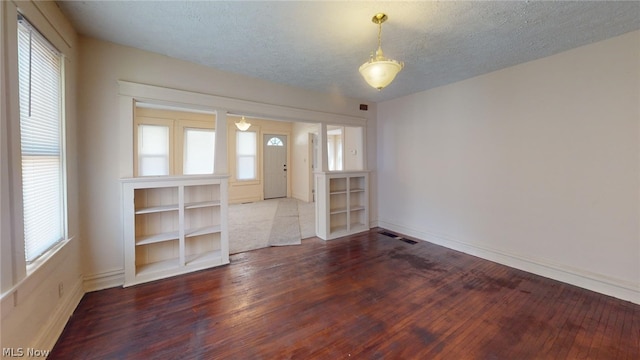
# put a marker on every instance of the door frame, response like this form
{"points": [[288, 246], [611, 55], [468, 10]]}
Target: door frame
{"points": [[312, 156], [261, 145]]}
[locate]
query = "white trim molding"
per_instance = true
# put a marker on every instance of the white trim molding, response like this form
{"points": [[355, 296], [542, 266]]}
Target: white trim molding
{"points": [[578, 277], [104, 280], [51, 331], [164, 96]]}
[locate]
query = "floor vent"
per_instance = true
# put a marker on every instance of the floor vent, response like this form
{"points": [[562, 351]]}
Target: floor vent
{"points": [[408, 241], [395, 236], [386, 233]]}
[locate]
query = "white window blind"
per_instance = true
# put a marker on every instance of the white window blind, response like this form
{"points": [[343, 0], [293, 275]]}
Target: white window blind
{"points": [[40, 73], [153, 150], [199, 147], [246, 150]]}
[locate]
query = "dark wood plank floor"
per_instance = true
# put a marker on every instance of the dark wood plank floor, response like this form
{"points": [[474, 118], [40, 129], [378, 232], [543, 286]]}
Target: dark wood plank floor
{"points": [[364, 297]]}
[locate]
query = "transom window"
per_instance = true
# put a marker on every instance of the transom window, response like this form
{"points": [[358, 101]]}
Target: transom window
{"points": [[274, 141]]}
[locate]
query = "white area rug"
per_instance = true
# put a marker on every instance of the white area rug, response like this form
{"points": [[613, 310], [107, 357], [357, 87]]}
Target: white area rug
{"points": [[285, 229], [307, 218], [252, 225]]}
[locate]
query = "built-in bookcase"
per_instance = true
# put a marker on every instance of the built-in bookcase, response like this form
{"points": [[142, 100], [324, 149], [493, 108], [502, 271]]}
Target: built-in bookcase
{"points": [[173, 225], [343, 206]]}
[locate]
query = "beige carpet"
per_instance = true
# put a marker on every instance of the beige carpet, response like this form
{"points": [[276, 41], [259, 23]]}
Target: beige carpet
{"points": [[252, 225]]}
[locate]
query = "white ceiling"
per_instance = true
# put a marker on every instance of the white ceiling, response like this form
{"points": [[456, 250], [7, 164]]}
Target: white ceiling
{"points": [[319, 45]]}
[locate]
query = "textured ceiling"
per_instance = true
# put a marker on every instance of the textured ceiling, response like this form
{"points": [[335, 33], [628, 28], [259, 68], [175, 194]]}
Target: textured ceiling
{"points": [[319, 45]]}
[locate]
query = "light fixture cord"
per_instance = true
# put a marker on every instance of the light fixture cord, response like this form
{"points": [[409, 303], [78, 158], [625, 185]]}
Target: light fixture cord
{"points": [[380, 34]]}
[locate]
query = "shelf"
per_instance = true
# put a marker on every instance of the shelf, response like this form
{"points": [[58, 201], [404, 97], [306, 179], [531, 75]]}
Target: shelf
{"points": [[156, 238], [343, 203], [203, 231], [208, 256], [153, 200], [202, 204], [357, 182], [341, 228], [159, 266], [356, 228], [157, 209], [173, 225], [337, 185]]}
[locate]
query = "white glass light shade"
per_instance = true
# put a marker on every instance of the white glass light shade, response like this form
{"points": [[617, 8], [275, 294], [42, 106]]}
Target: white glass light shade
{"points": [[380, 73], [243, 125]]}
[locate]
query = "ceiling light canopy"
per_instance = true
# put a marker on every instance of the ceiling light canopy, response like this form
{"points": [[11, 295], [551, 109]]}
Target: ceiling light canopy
{"points": [[380, 71], [242, 125]]}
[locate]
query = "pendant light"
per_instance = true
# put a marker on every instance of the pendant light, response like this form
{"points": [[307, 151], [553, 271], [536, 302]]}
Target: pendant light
{"points": [[242, 125], [380, 71]]}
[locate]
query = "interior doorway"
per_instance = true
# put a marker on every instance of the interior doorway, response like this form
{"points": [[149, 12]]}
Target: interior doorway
{"points": [[275, 166]]}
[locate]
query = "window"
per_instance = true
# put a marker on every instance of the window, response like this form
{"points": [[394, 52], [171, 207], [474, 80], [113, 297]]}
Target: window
{"points": [[274, 141], [334, 148], [331, 157], [171, 142], [198, 151], [153, 150], [246, 150], [40, 83]]}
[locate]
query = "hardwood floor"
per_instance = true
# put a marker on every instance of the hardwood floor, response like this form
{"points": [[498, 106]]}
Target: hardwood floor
{"points": [[367, 296]]}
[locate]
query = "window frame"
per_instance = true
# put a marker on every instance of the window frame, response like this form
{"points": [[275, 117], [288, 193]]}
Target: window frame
{"points": [[177, 126], [180, 126], [60, 152], [151, 121]]}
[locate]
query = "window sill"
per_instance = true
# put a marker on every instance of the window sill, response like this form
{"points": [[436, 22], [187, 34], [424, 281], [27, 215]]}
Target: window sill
{"points": [[246, 182], [34, 266]]}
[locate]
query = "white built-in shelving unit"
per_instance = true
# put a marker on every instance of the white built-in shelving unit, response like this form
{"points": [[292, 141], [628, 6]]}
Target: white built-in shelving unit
{"points": [[343, 203], [173, 225]]}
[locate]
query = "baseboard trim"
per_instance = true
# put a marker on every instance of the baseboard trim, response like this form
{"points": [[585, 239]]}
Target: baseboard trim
{"points": [[51, 331], [301, 197], [578, 277], [105, 280]]}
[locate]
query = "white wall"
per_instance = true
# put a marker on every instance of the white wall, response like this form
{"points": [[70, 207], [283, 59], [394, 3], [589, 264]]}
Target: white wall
{"points": [[300, 149], [33, 312], [353, 146], [102, 64], [535, 166]]}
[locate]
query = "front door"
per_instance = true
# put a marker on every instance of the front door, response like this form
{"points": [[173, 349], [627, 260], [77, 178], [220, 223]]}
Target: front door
{"points": [[275, 166]]}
